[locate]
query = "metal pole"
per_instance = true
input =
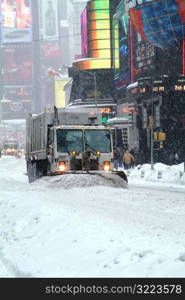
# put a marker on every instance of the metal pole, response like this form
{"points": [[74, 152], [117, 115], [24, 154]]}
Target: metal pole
{"points": [[1, 80], [36, 103], [152, 148], [95, 85], [0, 111], [152, 133]]}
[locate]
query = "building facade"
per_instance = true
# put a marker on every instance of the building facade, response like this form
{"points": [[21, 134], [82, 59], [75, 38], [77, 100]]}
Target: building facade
{"points": [[148, 61], [35, 36], [92, 74], [16, 68]]}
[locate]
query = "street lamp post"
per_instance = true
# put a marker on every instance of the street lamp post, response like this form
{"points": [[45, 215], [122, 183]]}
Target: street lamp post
{"points": [[152, 138], [0, 111], [152, 132], [95, 88], [1, 81]]}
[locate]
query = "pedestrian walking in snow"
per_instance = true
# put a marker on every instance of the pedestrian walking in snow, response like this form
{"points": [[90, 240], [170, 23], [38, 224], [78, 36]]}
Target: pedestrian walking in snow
{"points": [[120, 156], [116, 158], [133, 153], [128, 159]]}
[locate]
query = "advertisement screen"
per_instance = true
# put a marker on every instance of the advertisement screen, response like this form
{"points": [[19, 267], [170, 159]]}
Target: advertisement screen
{"points": [[50, 50], [84, 33], [16, 21], [115, 42], [17, 77], [49, 19], [124, 51], [15, 110], [99, 29], [162, 23], [59, 93], [17, 66], [143, 55]]}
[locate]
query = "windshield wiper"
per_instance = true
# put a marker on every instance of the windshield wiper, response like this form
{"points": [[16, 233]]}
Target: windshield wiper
{"points": [[90, 147]]}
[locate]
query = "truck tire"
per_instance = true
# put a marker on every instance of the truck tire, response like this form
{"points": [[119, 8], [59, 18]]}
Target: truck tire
{"points": [[45, 167], [31, 170], [34, 170], [41, 168]]}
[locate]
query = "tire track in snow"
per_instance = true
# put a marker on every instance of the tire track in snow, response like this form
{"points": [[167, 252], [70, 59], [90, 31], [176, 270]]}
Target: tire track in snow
{"points": [[10, 270]]}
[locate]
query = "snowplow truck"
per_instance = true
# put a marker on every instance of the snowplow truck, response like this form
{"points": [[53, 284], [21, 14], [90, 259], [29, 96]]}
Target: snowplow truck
{"points": [[63, 142]]}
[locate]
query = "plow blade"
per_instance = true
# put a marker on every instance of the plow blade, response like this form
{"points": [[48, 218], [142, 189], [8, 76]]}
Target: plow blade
{"points": [[77, 179]]}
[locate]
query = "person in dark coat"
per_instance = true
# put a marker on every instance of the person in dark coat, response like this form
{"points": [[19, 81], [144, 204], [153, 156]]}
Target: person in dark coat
{"points": [[120, 159], [116, 158]]}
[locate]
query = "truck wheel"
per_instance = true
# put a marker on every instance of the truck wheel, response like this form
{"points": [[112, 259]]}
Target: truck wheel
{"points": [[34, 170], [45, 167], [29, 171], [39, 167]]}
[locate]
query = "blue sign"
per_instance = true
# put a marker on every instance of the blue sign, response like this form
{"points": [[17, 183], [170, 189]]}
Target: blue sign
{"points": [[162, 23]]}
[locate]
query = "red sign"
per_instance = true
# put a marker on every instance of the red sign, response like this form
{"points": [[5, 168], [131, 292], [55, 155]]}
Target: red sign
{"points": [[50, 50]]}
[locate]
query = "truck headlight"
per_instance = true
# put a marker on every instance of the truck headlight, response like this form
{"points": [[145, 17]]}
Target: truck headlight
{"points": [[106, 165], [62, 166]]}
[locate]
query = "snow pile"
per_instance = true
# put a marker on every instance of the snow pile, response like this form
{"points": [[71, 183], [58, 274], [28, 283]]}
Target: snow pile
{"points": [[162, 175], [95, 231], [69, 181]]}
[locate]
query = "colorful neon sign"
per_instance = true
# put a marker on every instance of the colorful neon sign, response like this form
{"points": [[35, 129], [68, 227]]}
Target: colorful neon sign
{"points": [[99, 31]]}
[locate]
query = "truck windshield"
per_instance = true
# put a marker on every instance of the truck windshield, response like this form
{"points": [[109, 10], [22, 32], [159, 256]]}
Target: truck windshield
{"points": [[69, 140], [97, 140]]}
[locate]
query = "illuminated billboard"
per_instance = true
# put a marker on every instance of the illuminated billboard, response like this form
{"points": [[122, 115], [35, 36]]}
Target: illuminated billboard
{"points": [[49, 19], [161, 22], [16, 21], [143, 56], [98, 36], [17, 66], [50, 50], [84, 36], [124, 51], [115, 45], [17, 76], [121, 47], [89, 63], [99, 29], [59, 92]]}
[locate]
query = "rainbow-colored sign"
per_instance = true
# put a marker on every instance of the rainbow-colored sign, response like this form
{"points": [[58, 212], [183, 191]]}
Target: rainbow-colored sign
{"points": [[99, 31]]}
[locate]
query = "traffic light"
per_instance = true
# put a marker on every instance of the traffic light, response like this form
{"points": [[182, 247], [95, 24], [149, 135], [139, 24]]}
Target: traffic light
{"points": [[105, 114], [104, 117], [130, 117], [159, 136], [155, 136]]}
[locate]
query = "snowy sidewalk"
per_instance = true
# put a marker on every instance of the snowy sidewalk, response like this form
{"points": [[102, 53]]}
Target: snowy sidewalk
{"points": [[162, 176]]}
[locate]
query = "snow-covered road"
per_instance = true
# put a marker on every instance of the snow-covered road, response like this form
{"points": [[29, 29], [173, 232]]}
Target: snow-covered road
{"points": [[96, 231]]}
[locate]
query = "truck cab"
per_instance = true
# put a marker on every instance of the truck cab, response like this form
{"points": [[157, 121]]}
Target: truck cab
{"points": [[68, 141], [73, 148]]}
